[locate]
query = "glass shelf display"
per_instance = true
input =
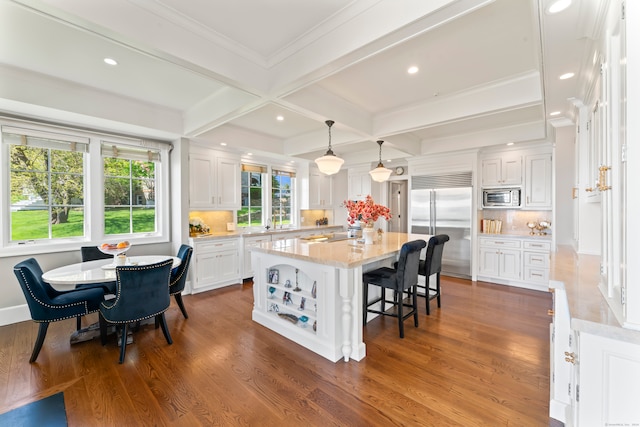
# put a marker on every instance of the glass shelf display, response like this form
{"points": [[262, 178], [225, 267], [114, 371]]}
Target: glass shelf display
{"points": [[291, 295]]}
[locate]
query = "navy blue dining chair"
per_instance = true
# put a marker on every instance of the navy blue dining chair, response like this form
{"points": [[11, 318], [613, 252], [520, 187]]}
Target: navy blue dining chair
{"points": [[49, 305], [179, 277], [403, 278], [142, 292], [92, 253]]}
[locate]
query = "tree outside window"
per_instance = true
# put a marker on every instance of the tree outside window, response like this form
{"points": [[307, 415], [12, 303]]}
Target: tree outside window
{"points": [[281, 196], [47, 188], [129, 196], [251, 187]]}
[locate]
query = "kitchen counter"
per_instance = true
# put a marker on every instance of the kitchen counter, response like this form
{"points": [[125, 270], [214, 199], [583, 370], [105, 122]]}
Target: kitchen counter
{"points": [[271, 231], [514, 235], [311, 292], [588, 309]]}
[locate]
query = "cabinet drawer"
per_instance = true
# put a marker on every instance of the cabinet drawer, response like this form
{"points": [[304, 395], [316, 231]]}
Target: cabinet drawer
{"points": [[536, 259], [217, 245], [536, 275], [538, 246], [500, 243]]}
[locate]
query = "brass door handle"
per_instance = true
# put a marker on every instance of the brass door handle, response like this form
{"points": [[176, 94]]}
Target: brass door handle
{"points": [[570, 357]]}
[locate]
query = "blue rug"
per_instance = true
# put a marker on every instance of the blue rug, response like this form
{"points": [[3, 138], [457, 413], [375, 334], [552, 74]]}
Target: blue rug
{"points": [[49, 412]]}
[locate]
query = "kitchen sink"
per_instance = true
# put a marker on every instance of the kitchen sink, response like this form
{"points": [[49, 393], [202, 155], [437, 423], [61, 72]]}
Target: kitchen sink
{"points": [[326, 238]]}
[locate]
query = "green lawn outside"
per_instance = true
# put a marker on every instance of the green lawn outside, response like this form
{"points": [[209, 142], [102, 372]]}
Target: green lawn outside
{"points": [[32, 225]]}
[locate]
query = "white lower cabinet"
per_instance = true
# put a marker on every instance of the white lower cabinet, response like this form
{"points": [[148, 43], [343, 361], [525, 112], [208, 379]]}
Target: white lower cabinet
{"points": [[247, 243], [517, 261], [595, 371], [216, 263]]}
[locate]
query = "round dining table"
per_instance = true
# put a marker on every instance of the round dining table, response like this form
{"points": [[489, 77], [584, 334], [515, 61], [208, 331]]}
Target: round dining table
{"points": [[67, 277], [104, 270]]}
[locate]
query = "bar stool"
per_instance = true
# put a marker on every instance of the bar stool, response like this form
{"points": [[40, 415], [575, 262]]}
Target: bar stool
{"points": [[403, 278], [431, 265]]}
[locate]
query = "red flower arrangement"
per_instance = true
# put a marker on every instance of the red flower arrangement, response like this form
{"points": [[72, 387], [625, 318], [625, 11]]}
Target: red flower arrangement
{"points": [[366, 211]]}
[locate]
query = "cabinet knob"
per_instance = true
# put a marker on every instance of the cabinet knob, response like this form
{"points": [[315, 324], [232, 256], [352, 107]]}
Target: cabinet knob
{"points": [[570, 357]]}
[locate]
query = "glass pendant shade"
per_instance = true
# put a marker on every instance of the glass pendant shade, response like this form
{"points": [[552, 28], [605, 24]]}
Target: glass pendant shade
{"points": [[329, 164], [380, 173]]}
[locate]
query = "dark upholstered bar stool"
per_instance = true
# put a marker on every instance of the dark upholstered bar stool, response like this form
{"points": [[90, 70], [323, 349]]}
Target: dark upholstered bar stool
{"points": [[179, 277], [403, 278], [431, 265]]}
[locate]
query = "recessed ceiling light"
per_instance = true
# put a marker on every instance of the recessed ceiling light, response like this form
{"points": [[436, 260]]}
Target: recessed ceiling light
{"points": [[249, 154], [558, 6], [566, 76], [224, 144], [110, 61], [413, 69], [555, 113], [509, 143], [280, 118]]}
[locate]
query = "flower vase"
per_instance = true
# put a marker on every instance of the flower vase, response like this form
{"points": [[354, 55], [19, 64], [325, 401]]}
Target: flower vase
{"points": [[369, 234]]}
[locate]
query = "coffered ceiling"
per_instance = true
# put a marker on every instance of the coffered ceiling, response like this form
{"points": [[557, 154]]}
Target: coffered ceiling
{"points": [[222, 71]]}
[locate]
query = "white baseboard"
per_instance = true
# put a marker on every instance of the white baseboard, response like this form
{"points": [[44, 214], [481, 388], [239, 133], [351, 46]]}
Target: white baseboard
{"points": [[15, 314]]}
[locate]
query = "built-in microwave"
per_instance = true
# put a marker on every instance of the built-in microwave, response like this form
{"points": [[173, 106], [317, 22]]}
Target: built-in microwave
{"points": [[501, 198]]}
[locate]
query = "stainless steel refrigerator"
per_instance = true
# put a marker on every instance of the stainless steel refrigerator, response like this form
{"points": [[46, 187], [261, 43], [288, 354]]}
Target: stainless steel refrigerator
{"points": [[441, 204]]}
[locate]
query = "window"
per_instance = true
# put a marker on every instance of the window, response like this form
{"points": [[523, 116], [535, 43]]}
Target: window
{"points": [[46, 181], [63, 188], [250, 213], [129, 189], [282, 183]]}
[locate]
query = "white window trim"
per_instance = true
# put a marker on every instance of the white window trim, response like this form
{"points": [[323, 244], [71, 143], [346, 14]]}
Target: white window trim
{"points": [[94, 206]]}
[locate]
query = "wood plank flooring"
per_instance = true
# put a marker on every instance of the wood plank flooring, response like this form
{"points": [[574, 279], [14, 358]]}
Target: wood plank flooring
{"points": [[480, 360]]}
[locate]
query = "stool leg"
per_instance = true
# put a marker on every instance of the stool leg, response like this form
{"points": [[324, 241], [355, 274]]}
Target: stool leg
{"points": [[123, 342], [400, 315], [365, 302], [438, 288], [415, 305]]}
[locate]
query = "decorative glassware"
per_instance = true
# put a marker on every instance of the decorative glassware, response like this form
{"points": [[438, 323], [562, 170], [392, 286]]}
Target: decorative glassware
{"points": [[304, 320], [272, 290]]}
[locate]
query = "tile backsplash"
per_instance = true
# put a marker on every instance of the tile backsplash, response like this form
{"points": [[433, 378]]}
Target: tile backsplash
{"points": [[515, 221], [216, 220]]}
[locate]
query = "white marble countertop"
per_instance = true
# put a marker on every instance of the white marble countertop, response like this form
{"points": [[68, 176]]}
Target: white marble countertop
{"points": [[514, 235], [346, 253], [580, 275], [258, 232]]}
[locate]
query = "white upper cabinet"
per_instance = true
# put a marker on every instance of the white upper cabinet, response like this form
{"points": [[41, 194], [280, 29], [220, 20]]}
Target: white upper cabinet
{"points": [[214, 180], [538, 181], [320, 189], [359, 183], [503, 169]]}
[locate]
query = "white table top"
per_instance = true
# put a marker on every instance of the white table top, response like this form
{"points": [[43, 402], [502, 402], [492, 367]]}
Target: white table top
{"points": [[68, 276]]}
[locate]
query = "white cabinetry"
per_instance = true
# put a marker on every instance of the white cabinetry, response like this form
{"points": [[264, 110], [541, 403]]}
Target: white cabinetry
{"points": [[595, 377], [320, 190], [537, 181], [216, 263], [503, 169], [247, 243], [517, 261], [214, 180], [359, 183], [500, 258]]}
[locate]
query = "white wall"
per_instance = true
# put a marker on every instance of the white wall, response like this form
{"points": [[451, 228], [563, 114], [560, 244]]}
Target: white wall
{"points": [[565, 151]]}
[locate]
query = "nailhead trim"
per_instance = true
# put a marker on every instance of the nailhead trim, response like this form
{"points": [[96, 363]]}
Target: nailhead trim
{"points": [[186, 261], [55, 307], [119, 289]]}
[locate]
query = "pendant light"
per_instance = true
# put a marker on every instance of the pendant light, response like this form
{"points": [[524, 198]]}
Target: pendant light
{"points": [[329, 163], [380, 173]]}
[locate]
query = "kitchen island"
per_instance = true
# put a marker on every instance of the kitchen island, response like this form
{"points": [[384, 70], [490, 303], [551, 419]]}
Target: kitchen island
{"points": [[310, 291]]}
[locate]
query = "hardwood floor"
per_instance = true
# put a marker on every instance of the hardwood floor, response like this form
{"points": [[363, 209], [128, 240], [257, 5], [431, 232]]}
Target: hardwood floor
{"points": [[480, 360]]}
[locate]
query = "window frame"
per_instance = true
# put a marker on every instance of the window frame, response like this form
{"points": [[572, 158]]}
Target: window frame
{"points": [[93, 192]]}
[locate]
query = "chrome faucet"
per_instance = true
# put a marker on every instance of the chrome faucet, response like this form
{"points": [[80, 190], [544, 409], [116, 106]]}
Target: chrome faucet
{"points": [[268, 226]]}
